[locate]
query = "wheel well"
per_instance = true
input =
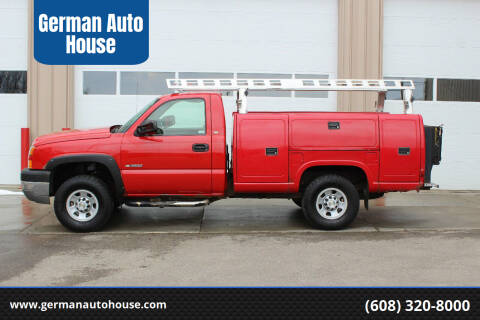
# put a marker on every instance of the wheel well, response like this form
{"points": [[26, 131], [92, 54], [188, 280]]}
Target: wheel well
{"points": [[65, 171], [355, 174]]}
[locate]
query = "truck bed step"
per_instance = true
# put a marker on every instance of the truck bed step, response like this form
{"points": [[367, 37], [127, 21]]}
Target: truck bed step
{"points": [[162, 204]]}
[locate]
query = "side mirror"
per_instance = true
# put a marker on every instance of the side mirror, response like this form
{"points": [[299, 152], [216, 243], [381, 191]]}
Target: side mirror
{"points": [[167, 121], [148, 127]]}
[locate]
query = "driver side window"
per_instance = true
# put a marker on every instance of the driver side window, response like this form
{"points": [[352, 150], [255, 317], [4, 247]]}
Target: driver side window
{"points": [[182, 117]]}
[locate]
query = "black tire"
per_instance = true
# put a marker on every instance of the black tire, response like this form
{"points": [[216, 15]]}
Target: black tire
{"points": [[98, 189], [297, 201], [346, 215]]}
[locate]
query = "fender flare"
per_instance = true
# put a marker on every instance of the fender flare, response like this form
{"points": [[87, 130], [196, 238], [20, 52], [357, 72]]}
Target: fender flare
{"points": [[327, 163], [104, 159]]}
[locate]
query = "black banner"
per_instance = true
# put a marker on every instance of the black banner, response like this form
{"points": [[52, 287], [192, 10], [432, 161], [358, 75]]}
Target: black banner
{"points": [[240, 303]]}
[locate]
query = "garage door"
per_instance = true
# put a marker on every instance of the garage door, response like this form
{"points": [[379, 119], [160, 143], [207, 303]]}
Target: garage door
{"points": [[218, 39], [13, 86], [437, 43]]}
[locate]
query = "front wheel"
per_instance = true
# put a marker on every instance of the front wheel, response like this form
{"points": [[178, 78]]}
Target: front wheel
{"points": [[83, 203], [330, 202]]}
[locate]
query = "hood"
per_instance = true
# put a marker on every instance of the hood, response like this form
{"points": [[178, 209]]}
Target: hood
{"points": [[73, 135]]}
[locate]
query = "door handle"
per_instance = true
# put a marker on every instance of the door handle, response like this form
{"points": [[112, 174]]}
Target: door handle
{"points": [[200, 147]]}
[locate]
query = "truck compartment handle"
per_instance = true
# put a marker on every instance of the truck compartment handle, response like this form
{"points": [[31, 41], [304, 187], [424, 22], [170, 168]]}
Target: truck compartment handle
{"points": [[271, 151], [404, 151], [333, 125], [200, 147]]}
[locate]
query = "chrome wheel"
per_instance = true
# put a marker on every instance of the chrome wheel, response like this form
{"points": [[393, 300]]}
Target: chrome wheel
{"points": [[82, 205], [331, 203]]}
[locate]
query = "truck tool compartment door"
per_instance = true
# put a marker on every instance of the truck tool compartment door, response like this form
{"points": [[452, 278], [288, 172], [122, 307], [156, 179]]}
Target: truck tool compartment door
{"points": [[176, 160], [333, 131], [262, 148], [399, 145]]}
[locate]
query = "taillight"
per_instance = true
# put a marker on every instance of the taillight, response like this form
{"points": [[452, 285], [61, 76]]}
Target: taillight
{"points": [[30, 155]]}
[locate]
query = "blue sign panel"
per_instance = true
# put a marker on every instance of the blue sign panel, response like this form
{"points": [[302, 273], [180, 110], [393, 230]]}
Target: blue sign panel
{"points": [[91, 32]]}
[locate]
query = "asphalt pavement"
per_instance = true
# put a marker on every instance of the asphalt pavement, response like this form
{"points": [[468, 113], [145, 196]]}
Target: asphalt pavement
{"points": [[427, 238]]}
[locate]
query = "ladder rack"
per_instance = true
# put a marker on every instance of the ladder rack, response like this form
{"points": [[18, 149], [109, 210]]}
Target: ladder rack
{"points": [[242, 86]]}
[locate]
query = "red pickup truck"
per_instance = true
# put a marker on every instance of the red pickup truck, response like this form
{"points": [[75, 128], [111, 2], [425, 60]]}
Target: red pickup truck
{"points": [[174, 152]]}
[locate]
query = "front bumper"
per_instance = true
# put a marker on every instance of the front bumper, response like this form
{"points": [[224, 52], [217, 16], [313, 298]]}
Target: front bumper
{"points": [[36, 185]]}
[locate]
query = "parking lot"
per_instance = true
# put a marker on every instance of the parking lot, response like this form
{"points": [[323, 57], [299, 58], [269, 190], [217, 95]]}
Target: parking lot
{"points": [[426, 238]]}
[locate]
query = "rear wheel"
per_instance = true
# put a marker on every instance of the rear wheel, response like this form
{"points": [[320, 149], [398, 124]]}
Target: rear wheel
{"points": [[83, 203], [330, 202]]}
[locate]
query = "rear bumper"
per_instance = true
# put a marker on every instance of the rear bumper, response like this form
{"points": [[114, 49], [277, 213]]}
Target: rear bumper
{"points": [[429, 185], [36, 185]]}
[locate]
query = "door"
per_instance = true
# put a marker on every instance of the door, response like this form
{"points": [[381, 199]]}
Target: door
{"points": [[176, 159], [399, 149], [262, 148]]}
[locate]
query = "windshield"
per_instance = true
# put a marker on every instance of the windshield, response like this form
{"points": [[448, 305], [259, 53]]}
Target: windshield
{"points": [[133, 119]]}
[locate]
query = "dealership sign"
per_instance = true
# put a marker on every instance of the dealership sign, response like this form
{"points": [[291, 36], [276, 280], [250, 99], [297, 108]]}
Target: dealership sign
{"points": [[91, 32]]}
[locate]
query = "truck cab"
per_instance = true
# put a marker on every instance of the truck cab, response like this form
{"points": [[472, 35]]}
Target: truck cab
{"points": [[174, 152]]}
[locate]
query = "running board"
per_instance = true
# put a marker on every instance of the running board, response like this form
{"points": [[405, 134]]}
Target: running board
{"points": [[163, 204]]}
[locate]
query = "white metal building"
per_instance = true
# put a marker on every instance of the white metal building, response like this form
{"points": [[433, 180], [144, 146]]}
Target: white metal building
{"points": [[434, 42], [438, 43]]}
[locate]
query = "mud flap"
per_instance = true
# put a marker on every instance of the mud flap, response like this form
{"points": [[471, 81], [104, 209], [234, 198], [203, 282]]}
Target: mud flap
{"points": [[366, 196]]}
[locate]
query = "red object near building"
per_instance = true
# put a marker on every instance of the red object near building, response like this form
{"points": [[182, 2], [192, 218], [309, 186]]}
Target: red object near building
{"points": [[24, 147]]}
